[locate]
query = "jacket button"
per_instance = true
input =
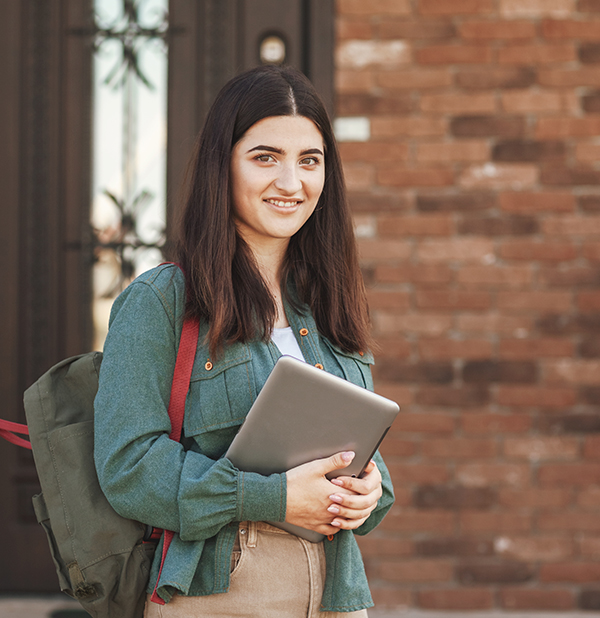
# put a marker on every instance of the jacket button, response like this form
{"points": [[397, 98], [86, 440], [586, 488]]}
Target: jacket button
{"points": [[304, 332], [208, 366], [319, 366], [361, 353]]}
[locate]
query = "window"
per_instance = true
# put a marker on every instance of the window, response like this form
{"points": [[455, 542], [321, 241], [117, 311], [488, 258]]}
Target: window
{"points": [[129, 146]]}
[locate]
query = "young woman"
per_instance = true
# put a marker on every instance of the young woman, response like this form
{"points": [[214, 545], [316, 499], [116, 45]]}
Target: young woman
{"points": [[270, 267]]}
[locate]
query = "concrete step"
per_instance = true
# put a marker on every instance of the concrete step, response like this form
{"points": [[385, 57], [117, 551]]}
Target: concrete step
{"points": [[62, 607]]}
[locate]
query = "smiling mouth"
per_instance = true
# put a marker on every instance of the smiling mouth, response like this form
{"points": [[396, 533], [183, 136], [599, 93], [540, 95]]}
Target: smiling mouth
{"points": [[282, 203]]}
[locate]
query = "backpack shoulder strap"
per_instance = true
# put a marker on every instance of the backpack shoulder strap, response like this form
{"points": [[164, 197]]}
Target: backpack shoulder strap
{"points": [[184, 364], [9, 431], [186, 353]]}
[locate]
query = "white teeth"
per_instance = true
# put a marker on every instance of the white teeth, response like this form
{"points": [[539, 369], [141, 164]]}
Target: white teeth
{"points": [[281, 204]]}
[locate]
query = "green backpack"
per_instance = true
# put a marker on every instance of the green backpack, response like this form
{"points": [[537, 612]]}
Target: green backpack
{"points": [[102, 559]]}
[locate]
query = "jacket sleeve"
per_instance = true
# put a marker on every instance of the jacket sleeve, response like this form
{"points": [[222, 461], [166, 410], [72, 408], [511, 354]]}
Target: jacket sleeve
{"points": [[144, 474]]}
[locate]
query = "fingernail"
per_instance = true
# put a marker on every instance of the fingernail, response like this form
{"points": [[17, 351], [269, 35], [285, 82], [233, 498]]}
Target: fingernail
{"points": [[336, 523], [348, 456], [333, 509], [335, 498], [337, 482]]}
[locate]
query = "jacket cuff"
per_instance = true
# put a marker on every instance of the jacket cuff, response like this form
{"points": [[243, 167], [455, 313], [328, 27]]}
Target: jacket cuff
{"points": [[261, 498]]}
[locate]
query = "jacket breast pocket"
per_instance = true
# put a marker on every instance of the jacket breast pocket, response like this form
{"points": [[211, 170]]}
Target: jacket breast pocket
{"points": [[354, 366], [221, 391]]}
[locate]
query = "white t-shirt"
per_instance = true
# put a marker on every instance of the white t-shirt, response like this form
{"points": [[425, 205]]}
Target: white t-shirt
{"points": [[284, 339]]}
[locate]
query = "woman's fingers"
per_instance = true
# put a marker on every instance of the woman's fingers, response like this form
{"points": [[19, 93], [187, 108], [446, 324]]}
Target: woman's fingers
{"points": [[345, 513], [326, 506], [340, 523], [354, 501], [352, 506], [352, 509], [369, 467], [308, 492], [335, 462], [370, 480]]}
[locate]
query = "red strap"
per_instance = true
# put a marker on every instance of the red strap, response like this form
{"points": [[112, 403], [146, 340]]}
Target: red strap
{"points": [[8, 430], [179, 389], [182, 375]]}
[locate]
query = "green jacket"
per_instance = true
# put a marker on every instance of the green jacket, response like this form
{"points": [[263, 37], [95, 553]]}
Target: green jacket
{"points": [[191, 488]]}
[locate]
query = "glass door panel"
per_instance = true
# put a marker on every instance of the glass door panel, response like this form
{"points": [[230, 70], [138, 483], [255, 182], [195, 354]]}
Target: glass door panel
{"points": [[129, 146]]}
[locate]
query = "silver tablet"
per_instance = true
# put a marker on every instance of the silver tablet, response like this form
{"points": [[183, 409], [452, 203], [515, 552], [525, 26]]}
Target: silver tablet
{"points": [[303, 413]]}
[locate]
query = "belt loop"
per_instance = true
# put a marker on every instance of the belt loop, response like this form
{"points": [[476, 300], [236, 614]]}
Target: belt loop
{"points": [[252, 534]]}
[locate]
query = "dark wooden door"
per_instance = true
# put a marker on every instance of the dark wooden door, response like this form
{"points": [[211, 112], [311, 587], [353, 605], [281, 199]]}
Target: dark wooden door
{"points": [[44, 184], [46, 241]]}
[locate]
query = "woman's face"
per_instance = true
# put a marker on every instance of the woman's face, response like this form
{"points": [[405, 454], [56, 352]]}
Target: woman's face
{"points": [[277, 175]]}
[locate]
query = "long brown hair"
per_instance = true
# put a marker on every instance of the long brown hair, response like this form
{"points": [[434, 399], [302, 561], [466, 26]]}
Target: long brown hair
{"points": [[320, 268]]}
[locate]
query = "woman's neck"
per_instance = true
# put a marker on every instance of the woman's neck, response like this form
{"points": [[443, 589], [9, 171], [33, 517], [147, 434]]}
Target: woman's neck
{"points": [[269, 259]]}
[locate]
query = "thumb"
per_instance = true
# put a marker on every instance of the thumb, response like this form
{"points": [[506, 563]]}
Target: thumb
{"points": [[337, 461]]}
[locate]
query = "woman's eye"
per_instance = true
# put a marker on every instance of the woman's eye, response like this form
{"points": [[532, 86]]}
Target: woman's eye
{"points": [[264, 158], [310, 161]]}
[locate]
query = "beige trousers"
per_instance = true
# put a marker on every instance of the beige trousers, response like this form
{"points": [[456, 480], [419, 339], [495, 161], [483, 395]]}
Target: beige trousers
{"points": [[274, 575]]}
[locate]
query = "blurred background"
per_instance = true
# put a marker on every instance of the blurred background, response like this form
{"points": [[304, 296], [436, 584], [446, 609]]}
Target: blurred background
{"points": [[470, 134]]}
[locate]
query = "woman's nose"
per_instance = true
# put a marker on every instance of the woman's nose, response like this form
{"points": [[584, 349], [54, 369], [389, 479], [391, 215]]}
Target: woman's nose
{"points": [[288, 180]]}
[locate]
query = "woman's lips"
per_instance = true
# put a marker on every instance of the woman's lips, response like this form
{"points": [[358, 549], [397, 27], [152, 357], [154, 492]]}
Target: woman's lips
{"points": [[283, 203]]}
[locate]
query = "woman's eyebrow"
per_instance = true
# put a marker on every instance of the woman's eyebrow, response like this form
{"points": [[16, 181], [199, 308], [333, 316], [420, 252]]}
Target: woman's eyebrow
{"points": [[282, 152], [268, 149], [311, 151]]}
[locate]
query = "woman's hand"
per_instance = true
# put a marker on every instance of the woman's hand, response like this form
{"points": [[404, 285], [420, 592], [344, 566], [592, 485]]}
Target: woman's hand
{"points": [[344, 503], [309, 493], [356, 498]]}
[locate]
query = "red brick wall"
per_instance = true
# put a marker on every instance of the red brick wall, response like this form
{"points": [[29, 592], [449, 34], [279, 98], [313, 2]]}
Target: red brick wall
{"points": [[477, 204]]}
